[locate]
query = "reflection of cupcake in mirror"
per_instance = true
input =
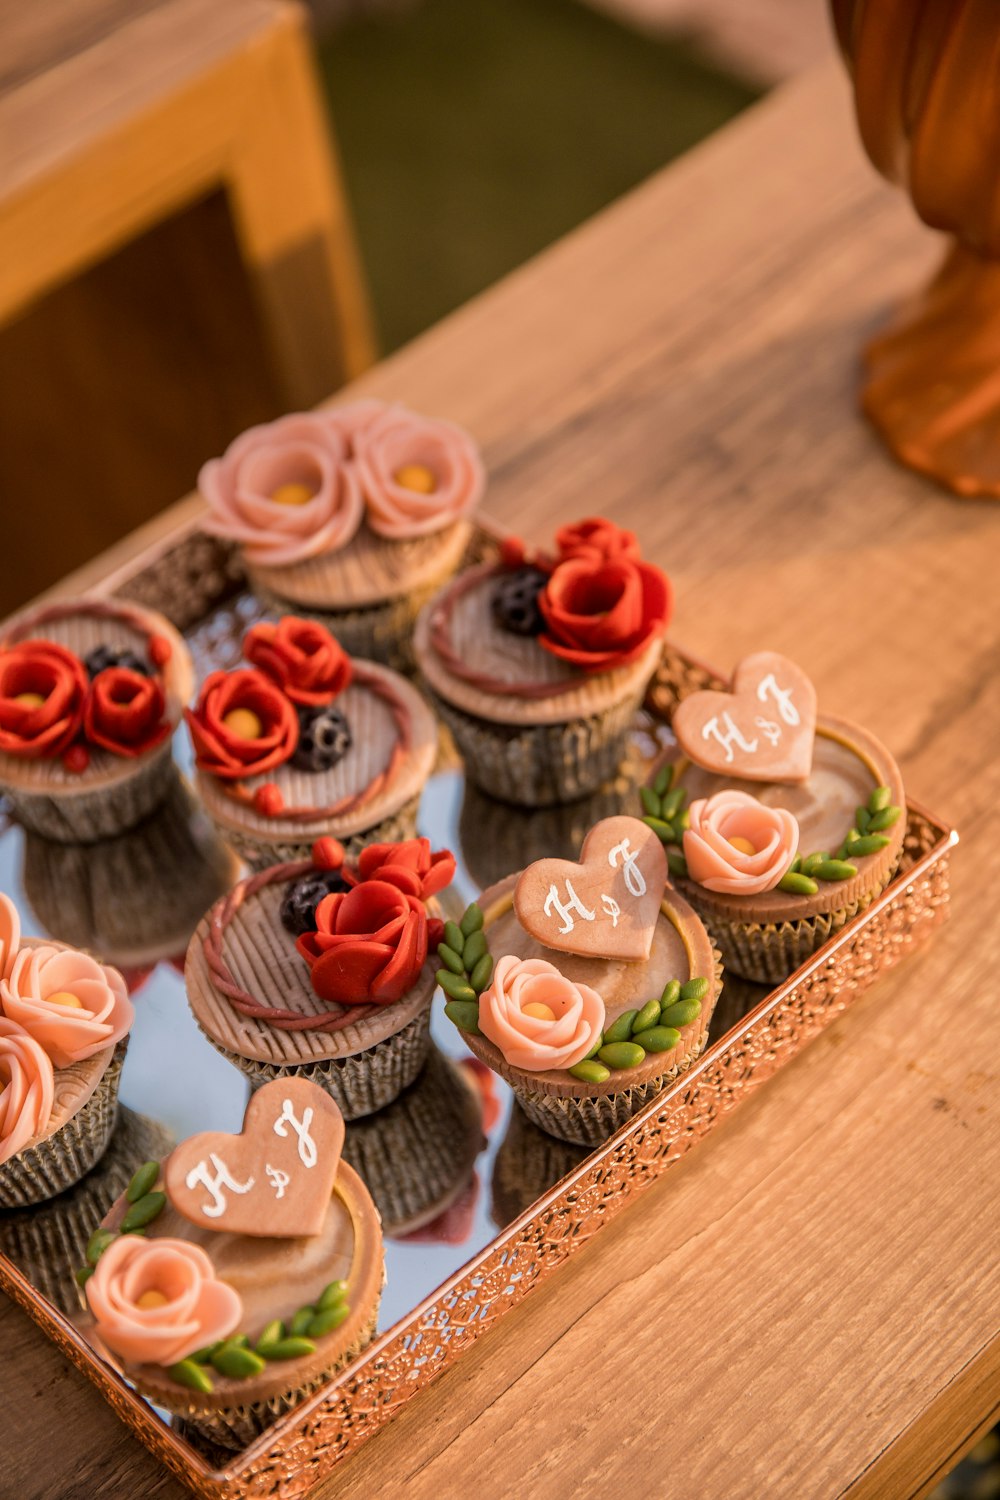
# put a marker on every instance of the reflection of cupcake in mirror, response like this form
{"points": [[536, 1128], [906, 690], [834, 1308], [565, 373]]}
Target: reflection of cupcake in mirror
{"points": [[307, 742], [528, 1163], [497, 838], [324, 969], [780, 825], [135, 899], [48, 1241], [238, 1275], [90, 694], [587, 986], [353, 515], [64, 1022], [538, 663], [417, 1155]]}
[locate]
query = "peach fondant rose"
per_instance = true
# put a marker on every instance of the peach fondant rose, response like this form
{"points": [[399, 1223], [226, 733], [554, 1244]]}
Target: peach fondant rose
{"points": [[10, 935], [417, 474], [352, 418], [27, 1086], [737, 846], [67, 1002], [537, 1017], [284, 491], [157, 1301]]}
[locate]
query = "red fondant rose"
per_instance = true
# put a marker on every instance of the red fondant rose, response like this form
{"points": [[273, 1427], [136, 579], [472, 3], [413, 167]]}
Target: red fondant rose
{"points": [[603, 614], [301, 656], [242, 725], [369, 945], [409, 866], [597, 539], [42, 692], [124, 712]]}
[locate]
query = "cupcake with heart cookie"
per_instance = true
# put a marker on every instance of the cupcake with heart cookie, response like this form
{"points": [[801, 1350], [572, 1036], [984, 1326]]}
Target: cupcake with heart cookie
{"points": [[780, 824], [64, 1023], [588, 986], [537, 663], [238, 1275], [354, 515], [307, 742], [321, 969], [90, 693]]}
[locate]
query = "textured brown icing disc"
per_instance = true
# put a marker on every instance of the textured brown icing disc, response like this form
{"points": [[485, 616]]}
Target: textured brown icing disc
{"points": [[681, 949], [374, 735], [513, 658], [848, 763], [369, 570]]}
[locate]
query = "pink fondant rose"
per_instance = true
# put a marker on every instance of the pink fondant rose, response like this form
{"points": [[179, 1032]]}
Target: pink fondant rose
{"points": [[537, 1017], [284, 491], [156, 1301], [27, 1087], [417, 474], [737, 846], [67, 1002], [10, 935]]}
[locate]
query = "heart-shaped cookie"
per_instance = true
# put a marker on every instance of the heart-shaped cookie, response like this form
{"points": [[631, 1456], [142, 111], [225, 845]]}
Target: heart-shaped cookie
{"points": [[763, 730], [273, 1179], [604, 907]]}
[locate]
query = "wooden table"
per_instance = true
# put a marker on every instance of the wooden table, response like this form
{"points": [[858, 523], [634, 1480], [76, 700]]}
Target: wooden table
{"points": [[809, 1304]]}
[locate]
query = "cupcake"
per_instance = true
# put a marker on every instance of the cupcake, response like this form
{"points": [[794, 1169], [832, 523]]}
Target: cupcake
{"points": [[136, 899], [588, 986], [780, 824], [538, 664], [354, 515], [307, 742], [90, 694], [257, 1273], [321, 969], [64, 1019]]}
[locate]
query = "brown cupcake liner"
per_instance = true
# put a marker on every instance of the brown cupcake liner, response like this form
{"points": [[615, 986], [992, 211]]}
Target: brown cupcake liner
{"points": [[84, 817], [235, 1427], [260, 853], [361, 1083], [416, 1155], [529, 1161], [40, 1172], [536, 765], [48, 1242]]}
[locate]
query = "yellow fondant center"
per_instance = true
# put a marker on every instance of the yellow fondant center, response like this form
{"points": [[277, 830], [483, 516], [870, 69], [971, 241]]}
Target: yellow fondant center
{"points": [[293, 493], [152, 1298], [743, 845], [416, 477], [30, 700], [244, 723], [539, 1010], [65, 997]]}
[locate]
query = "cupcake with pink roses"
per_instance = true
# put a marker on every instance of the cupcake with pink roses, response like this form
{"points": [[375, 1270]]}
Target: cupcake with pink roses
{"points": [[64, 1021], [587, 986], [780, 824], [538, 662], [90, 693], [306, 742], [354, 515], [323, 968]]}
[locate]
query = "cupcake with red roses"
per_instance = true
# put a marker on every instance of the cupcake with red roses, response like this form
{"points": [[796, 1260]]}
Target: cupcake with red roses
{"points": [[90, 694], [538, 662], [323, 968], [353, 515], [306, 742]]}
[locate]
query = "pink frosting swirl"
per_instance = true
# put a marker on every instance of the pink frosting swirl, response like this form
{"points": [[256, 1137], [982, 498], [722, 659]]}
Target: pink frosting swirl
{"points": [[69, 1004], [27, 1088], [190, 1309], [536, 1042], [417, 474], [302, 457], [719, 864], [10, 935]]}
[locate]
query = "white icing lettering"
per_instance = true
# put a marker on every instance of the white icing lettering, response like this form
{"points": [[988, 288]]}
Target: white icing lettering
{"points": [[768, 687], [770, 730], [307, 1146], [634, 878], [217, 1206], [612, 908], [279, 1179], [564, 908], [732, 736]]}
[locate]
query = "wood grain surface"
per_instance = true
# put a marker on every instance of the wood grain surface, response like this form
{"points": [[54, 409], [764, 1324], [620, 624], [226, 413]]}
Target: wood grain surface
{"points": [[807, 1305]]}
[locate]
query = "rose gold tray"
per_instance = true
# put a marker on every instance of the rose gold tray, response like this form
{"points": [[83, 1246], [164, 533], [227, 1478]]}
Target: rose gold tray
{"points": [[190, 576]]}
